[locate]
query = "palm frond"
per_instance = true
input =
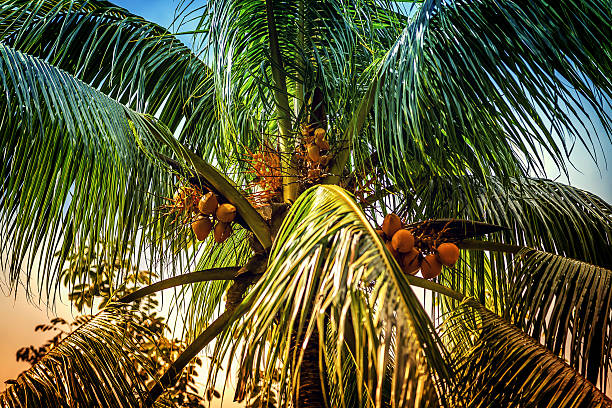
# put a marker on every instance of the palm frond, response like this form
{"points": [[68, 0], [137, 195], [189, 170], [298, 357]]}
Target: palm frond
{"points": [[535, 213], [490, 87], [567, 305], [203, 301], [93, 366], [133, 61], [73, 171], [499, 365], [326, 45], [560, 301], [328, 268]]}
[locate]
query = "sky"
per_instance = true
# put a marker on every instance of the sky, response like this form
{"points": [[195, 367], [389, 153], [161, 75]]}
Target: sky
{"points": [[20, 316]]}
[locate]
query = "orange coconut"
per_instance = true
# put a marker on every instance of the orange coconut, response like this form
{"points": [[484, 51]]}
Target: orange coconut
{"points": [[403, 241], [226, 213], [431, 267], [448, 254], [222, 231], [314, 153], [391, 224], [411, 261], [201, 227], [208, 204]]}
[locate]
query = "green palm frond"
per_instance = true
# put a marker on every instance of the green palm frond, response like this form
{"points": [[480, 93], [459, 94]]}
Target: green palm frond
{"points": [[205, 299], [536, 213], [566, 305], [90, 367], [560, 301], [328, 268], [73, 171], [326, 45], [483, 87], [133, 61], [500, 366]]}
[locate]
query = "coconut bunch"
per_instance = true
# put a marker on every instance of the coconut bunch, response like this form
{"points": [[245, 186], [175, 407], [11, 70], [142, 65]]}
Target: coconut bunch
{"points": [[203, 211], [416, 248], [313, 154], [215, 217]]}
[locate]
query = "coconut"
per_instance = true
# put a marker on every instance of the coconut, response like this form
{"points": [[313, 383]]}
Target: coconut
{"points": [[323, 144], [403, 241], [391, 224], [314, 153], [431, 267], [411, 261], [226, 213], [208, 204], [324, 160], [448, 254], [201, 227], [319, 133], [222, 231]]}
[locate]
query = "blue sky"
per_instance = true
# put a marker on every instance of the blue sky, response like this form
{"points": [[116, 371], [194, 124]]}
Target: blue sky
{"points": [[159, 11]]}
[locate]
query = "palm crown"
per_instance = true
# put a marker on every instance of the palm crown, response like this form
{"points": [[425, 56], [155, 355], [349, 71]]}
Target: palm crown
{"points": [[309, 121]]}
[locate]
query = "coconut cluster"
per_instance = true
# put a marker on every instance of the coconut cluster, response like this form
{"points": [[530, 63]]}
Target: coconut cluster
{"points": [[205, 213], [313, 153], [414, 253]]}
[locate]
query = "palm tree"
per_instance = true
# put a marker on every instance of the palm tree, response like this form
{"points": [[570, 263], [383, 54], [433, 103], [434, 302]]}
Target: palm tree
{"points": [[439, 112]]}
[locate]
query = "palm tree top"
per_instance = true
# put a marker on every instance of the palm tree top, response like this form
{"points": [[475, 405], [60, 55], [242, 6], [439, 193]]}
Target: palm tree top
{"points": [[255, 174]]}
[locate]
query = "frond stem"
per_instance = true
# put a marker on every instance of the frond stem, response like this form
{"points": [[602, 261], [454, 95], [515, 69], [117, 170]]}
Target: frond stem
{"points": [[284, 111], [354, 127], [171, 375], [193, 277], [243, 278], [489, 246], [434, 287], [299, 84]]}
